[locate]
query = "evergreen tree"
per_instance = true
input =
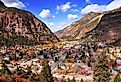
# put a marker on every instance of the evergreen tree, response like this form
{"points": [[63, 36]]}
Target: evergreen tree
{"points": [[69, 80], [117, 78], [73, 80], [101, 69], [81, 80], [45, 75], [5, 70], [31, 79]]}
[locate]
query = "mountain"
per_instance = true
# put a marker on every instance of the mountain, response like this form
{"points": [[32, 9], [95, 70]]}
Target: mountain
{"points": [[95, 27], [22, 27], [108, 30], [80, 27]]}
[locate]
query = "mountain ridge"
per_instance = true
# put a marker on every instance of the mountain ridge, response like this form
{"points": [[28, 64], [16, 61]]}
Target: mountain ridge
{"points": [[17, 22], [75, 30], [104, 27], [108, 30]]}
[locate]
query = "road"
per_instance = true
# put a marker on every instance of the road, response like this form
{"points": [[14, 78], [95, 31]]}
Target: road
{"points": [[62, 58]]}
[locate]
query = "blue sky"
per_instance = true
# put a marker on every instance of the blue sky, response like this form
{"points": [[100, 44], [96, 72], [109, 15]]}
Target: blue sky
{"points": [[58, 14]]}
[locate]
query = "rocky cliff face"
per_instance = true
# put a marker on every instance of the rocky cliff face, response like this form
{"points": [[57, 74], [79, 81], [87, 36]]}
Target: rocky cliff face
{"points": [[16, 22], [80, 27], [108, 29]]}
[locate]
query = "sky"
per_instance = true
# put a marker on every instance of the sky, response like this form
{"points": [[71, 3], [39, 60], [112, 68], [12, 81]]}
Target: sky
{"points": [[57, 14]]}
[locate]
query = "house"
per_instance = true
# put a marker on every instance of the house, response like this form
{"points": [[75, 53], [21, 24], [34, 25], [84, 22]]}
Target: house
{"points": [[1, 66]]}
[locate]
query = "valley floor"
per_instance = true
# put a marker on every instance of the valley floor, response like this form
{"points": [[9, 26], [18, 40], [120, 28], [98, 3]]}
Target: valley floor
{"points": [[66, 60]]}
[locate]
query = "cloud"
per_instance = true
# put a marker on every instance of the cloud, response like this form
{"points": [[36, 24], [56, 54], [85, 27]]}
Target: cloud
{"points": [[62, 25], [100, 8], [94, 8], [57, 26], [87, 0], [114, 4], [74, 5], [64, 7], [50, 25], [74, 10], [72, 17], [45, 13], [14, 3]]}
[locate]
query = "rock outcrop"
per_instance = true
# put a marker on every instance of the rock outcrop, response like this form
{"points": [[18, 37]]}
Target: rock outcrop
{"points": [[23, 24]]}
